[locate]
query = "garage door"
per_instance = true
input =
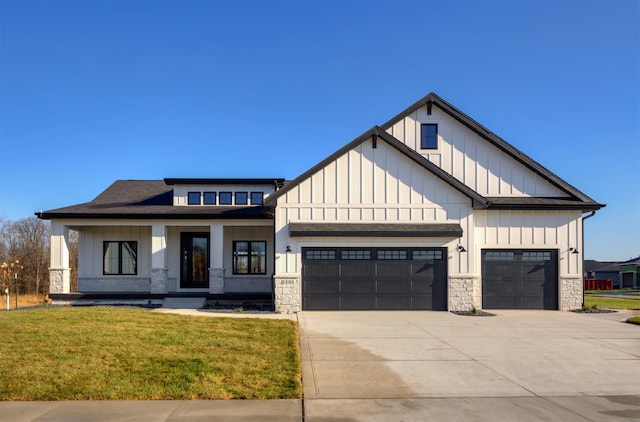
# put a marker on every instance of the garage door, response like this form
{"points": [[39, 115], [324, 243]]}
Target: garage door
{"points": [[519, 279], [374, 278]]}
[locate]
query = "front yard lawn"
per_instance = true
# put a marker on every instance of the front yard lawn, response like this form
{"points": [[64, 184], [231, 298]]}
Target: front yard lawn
{"points": [[103, 353], [611, 302]]}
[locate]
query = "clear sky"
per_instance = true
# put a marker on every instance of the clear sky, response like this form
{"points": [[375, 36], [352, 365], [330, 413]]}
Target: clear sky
{"points": [[94, 91]]}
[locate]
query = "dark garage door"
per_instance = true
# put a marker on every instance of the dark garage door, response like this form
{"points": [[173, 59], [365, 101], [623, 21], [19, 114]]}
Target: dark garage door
{"points": [[519, 279], [374, 278]]}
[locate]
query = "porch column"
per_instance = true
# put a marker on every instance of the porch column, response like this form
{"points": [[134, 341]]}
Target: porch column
{"points": [[216, 254], [158, 258], [59, 271]]}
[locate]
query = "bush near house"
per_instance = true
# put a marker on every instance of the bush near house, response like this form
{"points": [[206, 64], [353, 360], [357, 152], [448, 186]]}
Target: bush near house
{"points": [[101, 353]]}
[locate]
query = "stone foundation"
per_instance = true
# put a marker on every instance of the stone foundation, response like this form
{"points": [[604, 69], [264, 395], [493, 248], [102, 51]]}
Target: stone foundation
{"points": [[465, 292], [216, 280], [159, 280], [287, 294], [571, 293], [59, 280]]}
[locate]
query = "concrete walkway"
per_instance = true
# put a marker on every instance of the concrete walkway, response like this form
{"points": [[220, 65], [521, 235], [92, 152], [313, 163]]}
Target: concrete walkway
{"points": [[422, 366], [435, 366]]}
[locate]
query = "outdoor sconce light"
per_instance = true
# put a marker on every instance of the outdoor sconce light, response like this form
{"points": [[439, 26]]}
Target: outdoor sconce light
{"points": [[288, 249], [460, 248], [573, 250]]}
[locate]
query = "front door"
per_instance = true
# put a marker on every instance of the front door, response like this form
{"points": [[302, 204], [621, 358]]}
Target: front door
{"points": [[194, 260]]}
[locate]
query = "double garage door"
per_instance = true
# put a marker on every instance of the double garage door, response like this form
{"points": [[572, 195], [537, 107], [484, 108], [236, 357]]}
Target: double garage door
{"points": [[519, 279], [416, 278], [374, 278]]}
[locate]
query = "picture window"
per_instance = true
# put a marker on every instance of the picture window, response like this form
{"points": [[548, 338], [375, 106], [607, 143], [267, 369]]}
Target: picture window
{"points": [[257, 198], [120, 257], [241, 198], [209, 198], [249, 257]]}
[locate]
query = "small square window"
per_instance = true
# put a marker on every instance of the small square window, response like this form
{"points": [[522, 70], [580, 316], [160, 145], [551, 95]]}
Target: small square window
{"points": [[225, 198], [241, 198], [429, 136], [209, 198], [193, 198], [257, 198]]}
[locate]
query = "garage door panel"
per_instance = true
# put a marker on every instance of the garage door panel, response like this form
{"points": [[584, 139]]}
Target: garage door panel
{"points": [[322, 285], [402, 286], [390, 302], [357, 285], [321, 302], [356, 269], [357, 302]]}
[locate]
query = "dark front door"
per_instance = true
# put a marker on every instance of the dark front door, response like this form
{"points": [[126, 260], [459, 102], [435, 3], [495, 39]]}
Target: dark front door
{"points": [[194, 260]]}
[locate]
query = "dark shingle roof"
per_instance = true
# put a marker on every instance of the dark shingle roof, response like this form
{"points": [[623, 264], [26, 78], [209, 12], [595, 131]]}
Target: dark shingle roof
{"points": [[145, 199]]}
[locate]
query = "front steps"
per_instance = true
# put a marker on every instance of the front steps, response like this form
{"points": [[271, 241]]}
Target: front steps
{"points": [[184, 302]]}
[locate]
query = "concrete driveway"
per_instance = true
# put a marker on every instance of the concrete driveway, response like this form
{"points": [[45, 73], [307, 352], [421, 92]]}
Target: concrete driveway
{"points": [[436, 366]]}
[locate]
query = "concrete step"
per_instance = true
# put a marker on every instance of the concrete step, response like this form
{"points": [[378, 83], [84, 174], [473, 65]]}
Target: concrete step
{"points": [[184, 302]]}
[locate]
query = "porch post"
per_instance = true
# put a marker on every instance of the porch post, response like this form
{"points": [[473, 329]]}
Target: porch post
{"points": [[158, 258], [216, 253], [59, 271]]}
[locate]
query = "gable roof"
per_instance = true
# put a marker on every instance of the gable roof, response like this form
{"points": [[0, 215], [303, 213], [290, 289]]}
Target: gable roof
{"points": [[377, 133], [145, 199], [431, 99]]}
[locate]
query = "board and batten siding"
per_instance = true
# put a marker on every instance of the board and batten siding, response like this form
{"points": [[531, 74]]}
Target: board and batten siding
{"points": [[470, 158], [505, 229], [367, 185], [90, 259]]}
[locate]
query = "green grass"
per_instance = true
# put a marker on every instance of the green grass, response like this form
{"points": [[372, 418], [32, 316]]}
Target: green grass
{"points": [[611, 302], [634, 320], [100, 353]]}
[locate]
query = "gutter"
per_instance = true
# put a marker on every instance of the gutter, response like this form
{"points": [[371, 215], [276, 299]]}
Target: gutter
{"points": [[582, 246]]}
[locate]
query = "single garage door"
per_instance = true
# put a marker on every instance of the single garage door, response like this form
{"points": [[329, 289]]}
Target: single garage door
{"points": [[519, 279], [374, 278]]}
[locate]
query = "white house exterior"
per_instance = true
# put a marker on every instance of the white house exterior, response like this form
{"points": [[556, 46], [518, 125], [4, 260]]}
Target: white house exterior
{"points": [[428, 211]]}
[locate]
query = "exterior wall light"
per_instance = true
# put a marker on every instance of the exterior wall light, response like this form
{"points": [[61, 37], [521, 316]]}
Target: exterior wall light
{"points": [[460, 248], [573, 250], [288, 249]]}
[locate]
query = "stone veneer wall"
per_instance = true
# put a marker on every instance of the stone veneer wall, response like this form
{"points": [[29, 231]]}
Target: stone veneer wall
{"points": [[571, 293], [59, 280], [287, 294], [464, 292]]}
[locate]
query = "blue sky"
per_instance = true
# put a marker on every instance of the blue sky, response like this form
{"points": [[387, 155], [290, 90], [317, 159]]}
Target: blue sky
{"points": [[95, 91]]}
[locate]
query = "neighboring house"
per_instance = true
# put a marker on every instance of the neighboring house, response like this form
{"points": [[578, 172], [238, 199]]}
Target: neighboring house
{"points": [[603, 270], [630, 273], [428, 211]]}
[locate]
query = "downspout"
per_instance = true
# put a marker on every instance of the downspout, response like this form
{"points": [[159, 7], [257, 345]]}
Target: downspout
{"points": [[582, 246]]}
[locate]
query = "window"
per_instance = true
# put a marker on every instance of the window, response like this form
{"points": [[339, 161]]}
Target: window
{"points": [[225, 198], [209, 198], [249, 257], [241, 198], [120, 258], [536, 256], [193, 198], [426, 255], [257, 198], [355, 255], [429, 136], [393, 254], [320, 254], [500, 256]]}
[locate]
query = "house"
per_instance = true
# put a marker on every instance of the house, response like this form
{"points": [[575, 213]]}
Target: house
{"points": [[603, 270], [430, 210], [630, 273]]}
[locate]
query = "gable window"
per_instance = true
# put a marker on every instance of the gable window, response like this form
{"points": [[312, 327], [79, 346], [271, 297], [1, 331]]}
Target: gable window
{"points": [[429, 136], [225, 198], [120, 257], [257, 198], [193, 198], [249, 257], [241, 198], [209, 198]]}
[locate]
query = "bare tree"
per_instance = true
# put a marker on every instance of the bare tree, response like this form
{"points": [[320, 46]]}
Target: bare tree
{"points": [[27, 241]]}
